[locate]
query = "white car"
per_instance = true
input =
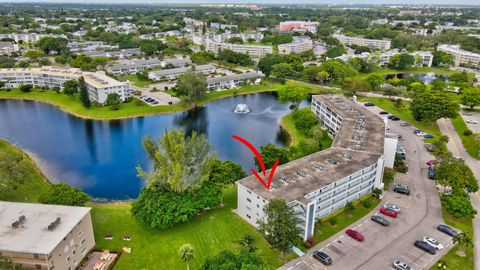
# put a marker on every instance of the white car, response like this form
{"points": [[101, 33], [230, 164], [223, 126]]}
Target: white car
{"points": [[421, 134], [392, 206], [399, 265], [432, 242], [472, 121]]}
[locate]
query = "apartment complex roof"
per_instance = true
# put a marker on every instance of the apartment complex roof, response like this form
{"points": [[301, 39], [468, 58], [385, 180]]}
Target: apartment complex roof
{"points": [[357, 145], [32, 235], [241, 76]]}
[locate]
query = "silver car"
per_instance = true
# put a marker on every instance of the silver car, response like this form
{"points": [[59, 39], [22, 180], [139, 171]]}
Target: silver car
{"points": [[392, 206], [399, 265]]}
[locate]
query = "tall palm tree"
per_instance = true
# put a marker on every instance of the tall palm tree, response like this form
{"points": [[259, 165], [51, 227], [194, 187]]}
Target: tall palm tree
{"points": [[186, 253], [463, 240]]}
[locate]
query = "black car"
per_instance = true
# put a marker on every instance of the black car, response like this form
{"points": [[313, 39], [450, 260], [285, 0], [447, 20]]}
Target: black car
{"points": [[403, 189], [425, 246], [394, 118], [383, 112], [369, 104], [322, 257], [380, 220], [447, 230]]}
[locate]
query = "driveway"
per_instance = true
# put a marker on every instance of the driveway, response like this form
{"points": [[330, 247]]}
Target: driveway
{"points": [[419, 216], [455, 146]]}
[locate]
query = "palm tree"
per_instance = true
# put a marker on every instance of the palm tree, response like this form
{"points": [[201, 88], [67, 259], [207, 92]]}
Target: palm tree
{"points": [[186, 253], [463, 240]]}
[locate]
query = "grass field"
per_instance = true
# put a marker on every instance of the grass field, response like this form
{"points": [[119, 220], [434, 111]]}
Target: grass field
{"points": [[216, 230], [31, 183], [451, 259], [134, 79], [472, 147]]}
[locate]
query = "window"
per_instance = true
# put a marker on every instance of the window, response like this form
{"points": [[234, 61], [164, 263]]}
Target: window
{"points": [[35, 256], [65, 250], [84, 250], [249, 216], [83, 241], [258, 206], [248, 199], [68, 259], [38, 266], [72, 242]]}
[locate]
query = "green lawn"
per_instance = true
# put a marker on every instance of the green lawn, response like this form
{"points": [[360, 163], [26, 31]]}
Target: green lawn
{"points": [[297, 136], [216, 230], [451, 259], [472, 147], [134, 79], [31, 183], [344, 219]]}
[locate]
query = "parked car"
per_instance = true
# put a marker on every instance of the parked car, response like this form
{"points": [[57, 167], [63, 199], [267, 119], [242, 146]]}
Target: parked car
{"points": [[430, 147], [402, 189], [457, 158], [431, 174], [394, 118], [355, 235], [405, 124], [416, 131], [431, 162], [467, 113], [447, 230], [392, 206], [421, 134], [399, 265], [380, 220], [428, 136], [383, 112], [470, 121], [388, 212], [433, 242], [369, 104], [322, 257], [426, 247]]}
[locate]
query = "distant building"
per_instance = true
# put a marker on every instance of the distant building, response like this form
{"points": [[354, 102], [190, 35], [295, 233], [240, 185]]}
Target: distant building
{"points": [[140, 65], [8, 48], [232, 81], [461, 57], [299, 26], [88, 46], [221, 26], [40, 236], [422, 58], [174, 73], [168, 33], [192, 22], [27, 37], [380, 44], [299, 44], [99, 85], [202, 39], [345, 57], [120, 54], [255, 51]]}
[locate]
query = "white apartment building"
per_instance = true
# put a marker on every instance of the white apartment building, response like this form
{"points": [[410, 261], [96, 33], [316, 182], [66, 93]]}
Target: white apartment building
{"points": [[461, 57], [99, 85], [27, 37], [422, 58], [47, 237], [299, 44], [222, 26], [88, 46], [233, 81], [321, 183], [299, 26], [8, 48], [120, 54], [381, 44], [202, 39], [136, 66], [345, 57], [192, 22], [174, 73], [255, 51]]}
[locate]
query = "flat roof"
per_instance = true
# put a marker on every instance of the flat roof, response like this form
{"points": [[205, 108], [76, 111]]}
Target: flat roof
{"points": [[348, 155], [33, 236], [241, 76]]}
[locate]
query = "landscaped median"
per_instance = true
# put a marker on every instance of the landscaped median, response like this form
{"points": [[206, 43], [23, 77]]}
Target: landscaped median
{"points": [[469, 140]]}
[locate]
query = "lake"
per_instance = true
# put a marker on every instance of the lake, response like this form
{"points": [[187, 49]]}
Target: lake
{"points": [[100, 156]]}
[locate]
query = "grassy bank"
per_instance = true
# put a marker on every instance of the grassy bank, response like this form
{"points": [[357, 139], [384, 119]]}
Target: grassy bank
{"points": [[472, 147], [451, 259], [20, 179]]}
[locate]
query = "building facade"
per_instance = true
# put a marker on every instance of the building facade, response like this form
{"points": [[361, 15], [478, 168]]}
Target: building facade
{"points": [[173, 73], [299, 26], [422, 58], [381, 44], [98, 84], [8, 48], [299, 44], [233, 81], [88, 46], [461, 57], [27, 37], [321, 183], [255, 51], [50, 237]]}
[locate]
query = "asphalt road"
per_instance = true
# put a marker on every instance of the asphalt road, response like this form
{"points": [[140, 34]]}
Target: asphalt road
{"points": [[419, 216], [455, 146]]}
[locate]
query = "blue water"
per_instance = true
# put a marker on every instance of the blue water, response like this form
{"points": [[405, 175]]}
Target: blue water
{"points": [[100, 156]]}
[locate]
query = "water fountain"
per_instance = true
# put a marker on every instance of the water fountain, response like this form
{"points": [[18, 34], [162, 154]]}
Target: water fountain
{"points": [[241, 109]]}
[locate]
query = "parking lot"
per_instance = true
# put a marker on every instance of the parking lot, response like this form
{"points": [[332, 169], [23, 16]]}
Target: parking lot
{"points": [[475, 116], [419, 216]]}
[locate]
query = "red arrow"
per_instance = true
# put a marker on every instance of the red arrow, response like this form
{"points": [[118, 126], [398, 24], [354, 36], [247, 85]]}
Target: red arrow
{"points": [[260, 161]]}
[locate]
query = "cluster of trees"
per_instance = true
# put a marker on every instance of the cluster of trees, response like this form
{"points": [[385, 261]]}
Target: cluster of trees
{"points": [[72, 87], [63, 194], [232, 57], [185, 180], [190, 87], [52, 45], [471, 97], [82, 61], [433, 105], [276, 39], [401, 61]]}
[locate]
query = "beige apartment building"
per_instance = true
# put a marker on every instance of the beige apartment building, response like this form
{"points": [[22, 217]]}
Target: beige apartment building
{"points": [[40, 236], [381, 44], [255, 51]]}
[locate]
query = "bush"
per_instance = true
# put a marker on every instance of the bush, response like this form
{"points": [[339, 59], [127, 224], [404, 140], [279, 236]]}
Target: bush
{"points": [[458, 204], [333, 221], [367, 204], [310, 242], [26, 88], [467, 132], [399, 165], [349, 206], [63, 194]]}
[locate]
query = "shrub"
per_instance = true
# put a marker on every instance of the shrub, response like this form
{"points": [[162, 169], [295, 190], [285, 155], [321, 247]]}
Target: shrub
{"points": [[367, 204], [26, 88], [333, 220], [310, 242], [349, 206], [458, 204], [467, 132]]}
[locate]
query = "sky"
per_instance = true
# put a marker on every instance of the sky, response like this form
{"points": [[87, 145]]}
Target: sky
{"points": [[340, 2]]}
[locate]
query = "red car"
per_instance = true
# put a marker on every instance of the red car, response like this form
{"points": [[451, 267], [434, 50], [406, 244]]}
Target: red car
{"points": [[431, 162], [388, 212], [355, 235]]}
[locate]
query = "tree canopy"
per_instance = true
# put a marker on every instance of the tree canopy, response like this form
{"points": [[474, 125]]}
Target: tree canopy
{"points": [[270, 153], [244, 260], [401, 61], [191, 86], [293, 92], [456, 174], [63, 194], [433, 105], [471, 97]]}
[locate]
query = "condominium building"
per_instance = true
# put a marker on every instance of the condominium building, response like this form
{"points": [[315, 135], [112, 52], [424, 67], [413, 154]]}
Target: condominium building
{"points": [[381, 44], [98, 84], [139, 65], [299, 26], [120, 54], [461, 57], [255, 51], [88, 46], [299, 44], [27, 37], [219, 26], [174, 73], [321, 183], [202, 39], [422, 58], [192, 22], [232, 81], [8, 48], [40, 236]]}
